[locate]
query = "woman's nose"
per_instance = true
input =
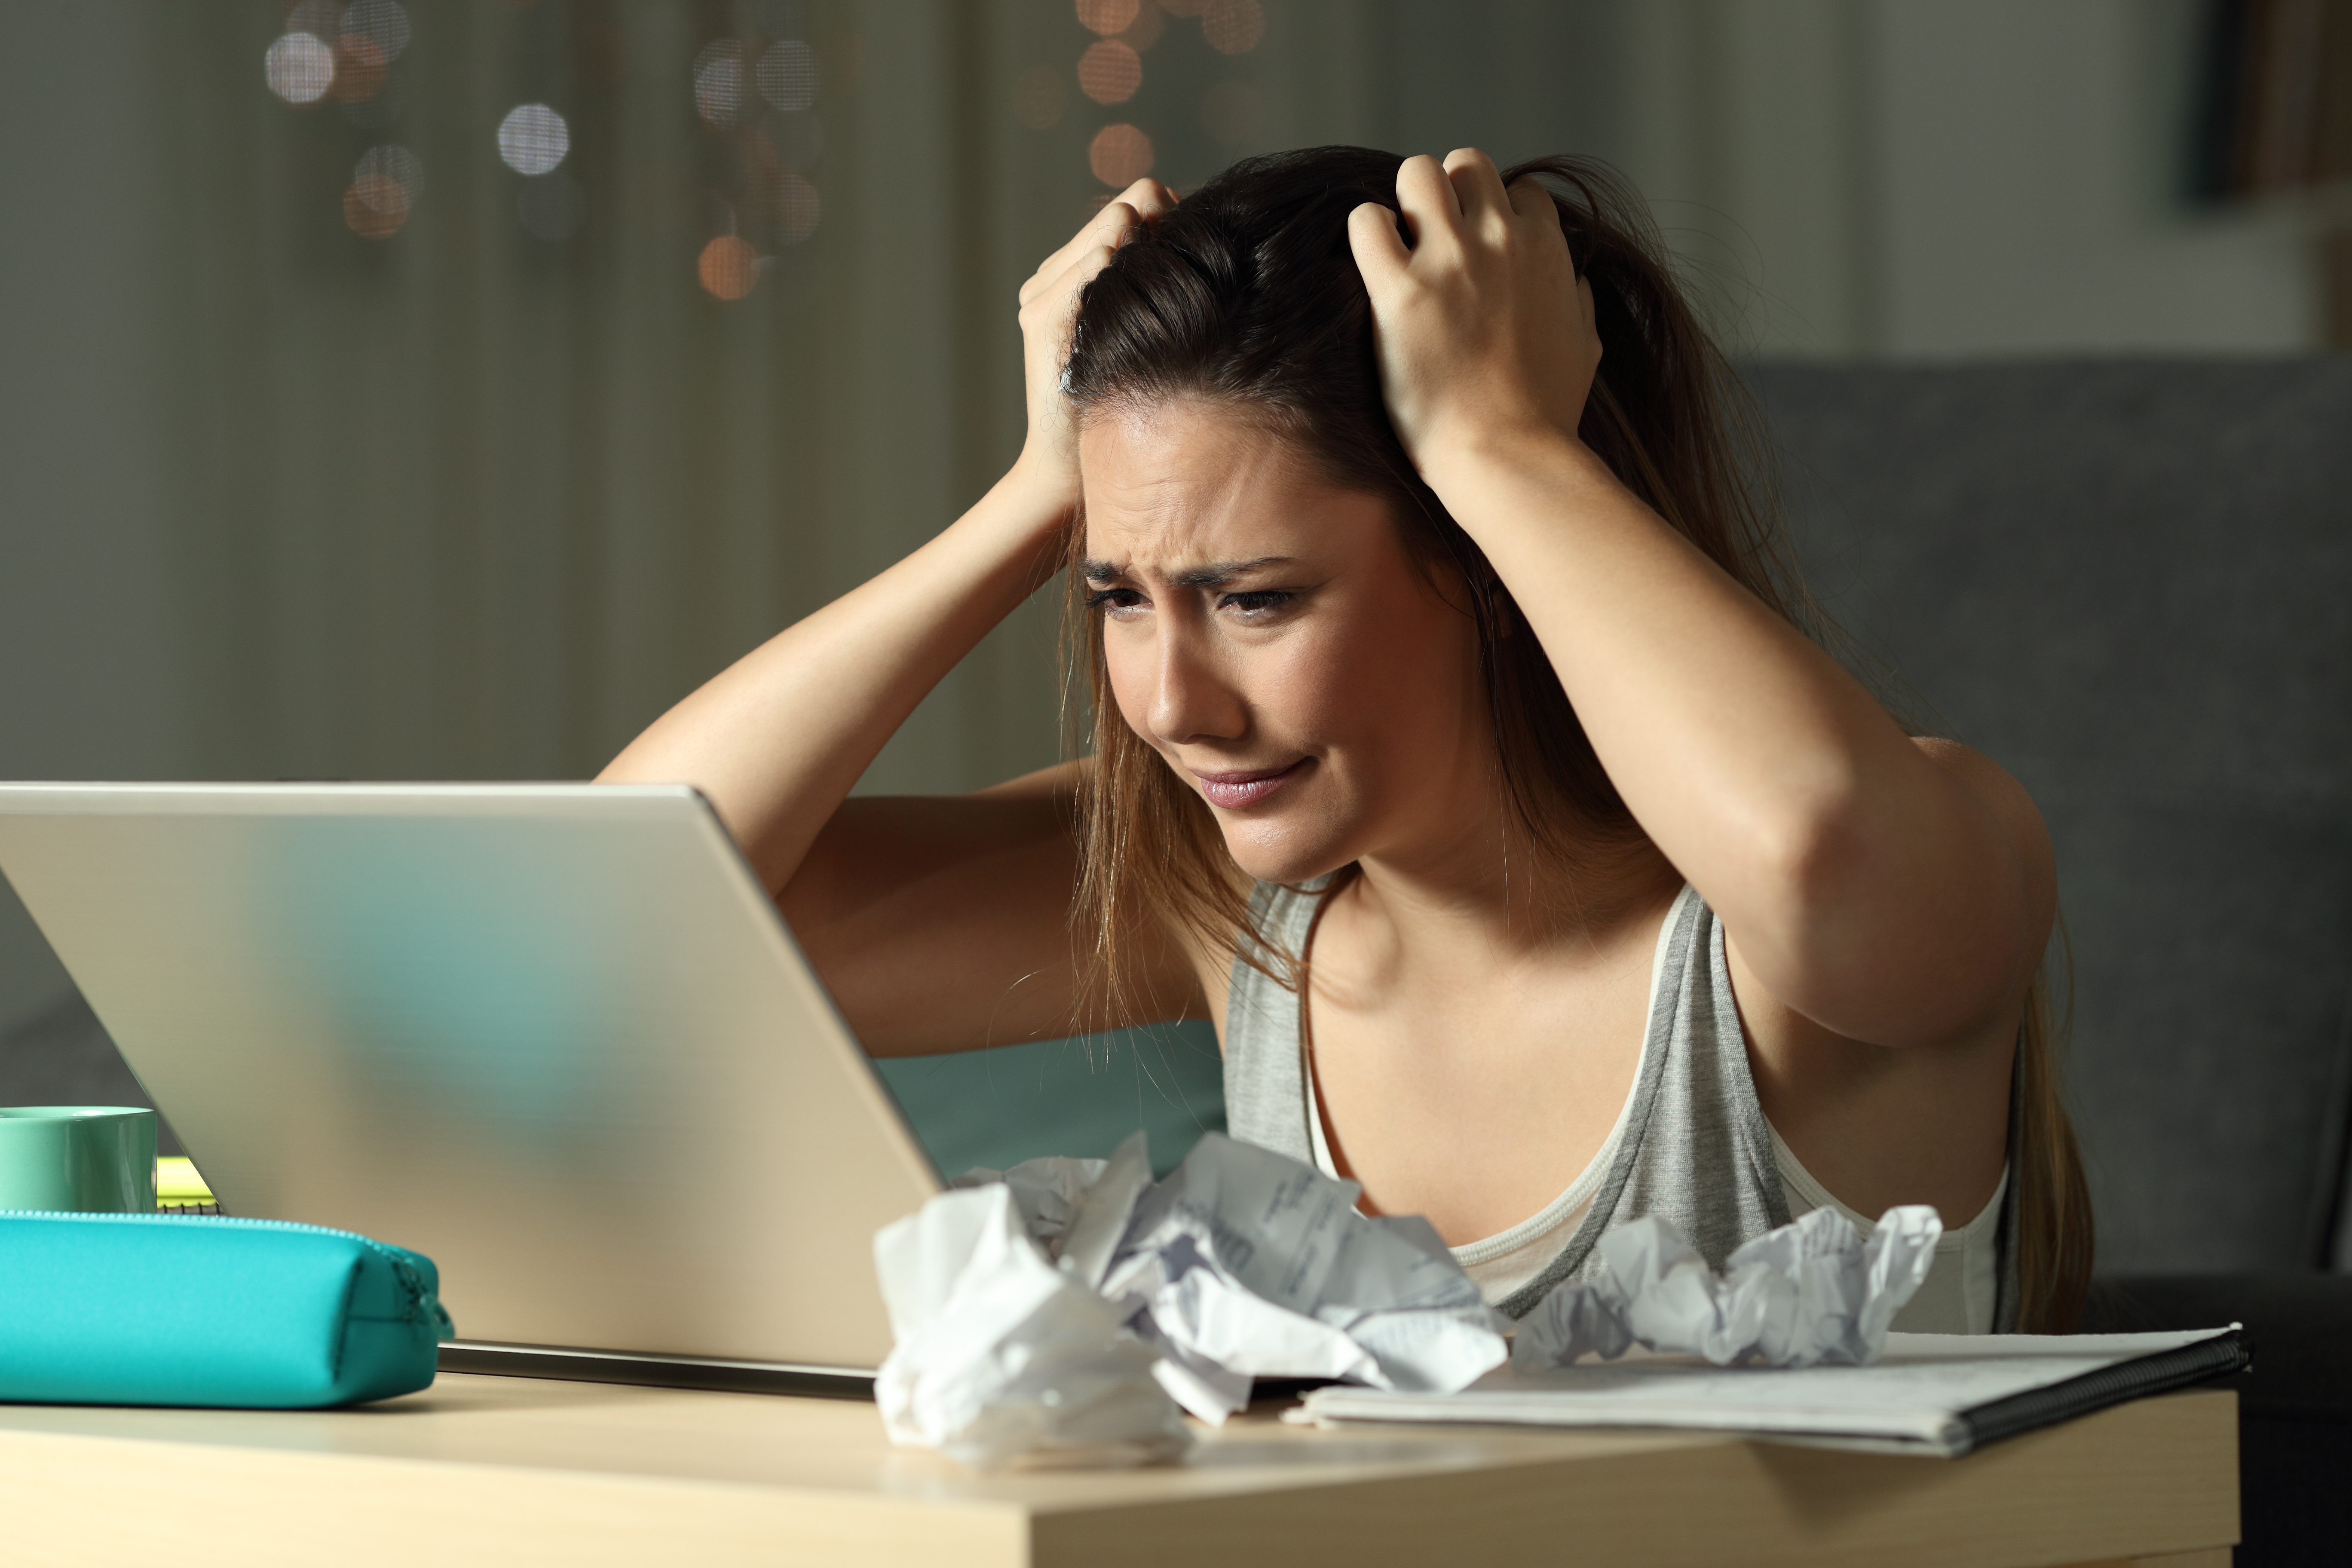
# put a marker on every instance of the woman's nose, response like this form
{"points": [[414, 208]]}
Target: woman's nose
{"points": [[1192, 699]]}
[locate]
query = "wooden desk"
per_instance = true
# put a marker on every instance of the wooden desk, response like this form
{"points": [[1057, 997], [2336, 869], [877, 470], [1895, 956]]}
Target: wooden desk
{"points": [[522, 1471]]}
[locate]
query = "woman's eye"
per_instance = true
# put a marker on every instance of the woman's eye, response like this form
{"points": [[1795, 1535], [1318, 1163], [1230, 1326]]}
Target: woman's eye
{"points": [[1259, 601], [1113, 599]]}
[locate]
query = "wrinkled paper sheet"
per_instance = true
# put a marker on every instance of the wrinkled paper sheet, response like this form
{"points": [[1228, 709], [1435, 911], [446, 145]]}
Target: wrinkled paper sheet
{"points": [[1812, 1293], [1066, 1308]]}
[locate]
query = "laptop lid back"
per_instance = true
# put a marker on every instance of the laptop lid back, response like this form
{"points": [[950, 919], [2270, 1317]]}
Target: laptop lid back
{"points": [[554, 1036]]}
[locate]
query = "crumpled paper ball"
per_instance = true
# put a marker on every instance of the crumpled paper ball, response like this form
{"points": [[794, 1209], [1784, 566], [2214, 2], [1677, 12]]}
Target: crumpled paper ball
{"points": [[998, 1354], [1809, 1293], [1065, 1308], [1246, 1263]]}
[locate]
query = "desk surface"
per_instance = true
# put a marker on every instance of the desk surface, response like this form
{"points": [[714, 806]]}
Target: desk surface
{"points": [[525, 1470]]}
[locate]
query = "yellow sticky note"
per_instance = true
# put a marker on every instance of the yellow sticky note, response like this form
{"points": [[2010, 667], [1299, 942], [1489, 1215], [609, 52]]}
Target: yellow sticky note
{"points": [[176, 1182]]}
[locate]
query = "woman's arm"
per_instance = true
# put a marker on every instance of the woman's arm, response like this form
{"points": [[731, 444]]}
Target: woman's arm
{"points": [[1891, 894], [777, 740], [937, 924]]}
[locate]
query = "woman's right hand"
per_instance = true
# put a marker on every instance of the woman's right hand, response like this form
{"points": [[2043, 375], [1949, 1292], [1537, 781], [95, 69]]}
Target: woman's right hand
{"points": [[1049, 304]]}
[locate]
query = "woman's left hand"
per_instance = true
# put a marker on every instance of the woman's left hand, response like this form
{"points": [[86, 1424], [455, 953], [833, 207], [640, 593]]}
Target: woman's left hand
{"points": [[1483, 328]]}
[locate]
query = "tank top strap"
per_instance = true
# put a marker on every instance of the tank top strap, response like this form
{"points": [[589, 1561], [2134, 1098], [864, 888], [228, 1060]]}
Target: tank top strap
{"points": [[1266, 1070], [1696, 1151]]}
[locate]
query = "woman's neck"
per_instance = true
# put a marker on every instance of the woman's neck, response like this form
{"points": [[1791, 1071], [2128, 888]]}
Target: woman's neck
{"points": [[1496, 898]]}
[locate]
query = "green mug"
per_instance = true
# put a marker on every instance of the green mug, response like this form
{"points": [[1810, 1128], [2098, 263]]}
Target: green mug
{"points": [[88, 1158]]}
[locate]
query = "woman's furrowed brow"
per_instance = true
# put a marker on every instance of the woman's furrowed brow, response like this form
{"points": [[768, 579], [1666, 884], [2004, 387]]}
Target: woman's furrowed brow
{"points": [[1211, 574]]}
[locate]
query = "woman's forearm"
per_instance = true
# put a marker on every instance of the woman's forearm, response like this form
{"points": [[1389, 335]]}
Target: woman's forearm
{"points": [[1760, 768], [778, 739]]}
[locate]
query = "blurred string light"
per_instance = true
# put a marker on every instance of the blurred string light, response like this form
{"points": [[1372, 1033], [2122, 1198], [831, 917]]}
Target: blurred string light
{"points": [[787, 76], [1151, 22], [1109, 72], [534, 139], [346, 52], [1120, 155], [367, 35], [384, 189], [797, 206], [299, 68], [380, 24], [328, 47], [729, 266], [1232, 26], [1108, 17], [722, 83], [762, 94]]}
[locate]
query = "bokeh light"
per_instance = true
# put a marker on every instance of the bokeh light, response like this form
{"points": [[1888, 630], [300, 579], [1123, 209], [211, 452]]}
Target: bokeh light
{"points": [[360, 68], [534, 139], [299, 68], [1231, 112], [550, 206], [1120, 155], [797, 206], [1149, 23], [397, 163], [1039, 97], [1109, 72], [376, 208], [382, 23], [384, 189], [787, 75], [721, 83], [729, 266], [1232, 26], [1108, 17]]}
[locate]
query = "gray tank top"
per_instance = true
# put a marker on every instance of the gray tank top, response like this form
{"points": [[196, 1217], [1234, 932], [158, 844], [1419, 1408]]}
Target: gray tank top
{"points": [[1696, 1150]]}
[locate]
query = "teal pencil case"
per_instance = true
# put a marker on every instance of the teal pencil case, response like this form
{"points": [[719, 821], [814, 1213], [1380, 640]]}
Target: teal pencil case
{"points": [[129, 1309]]}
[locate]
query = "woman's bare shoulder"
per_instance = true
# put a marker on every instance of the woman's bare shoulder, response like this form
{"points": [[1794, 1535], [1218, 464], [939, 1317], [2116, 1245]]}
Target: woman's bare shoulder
{"points": [[1999, 793]]}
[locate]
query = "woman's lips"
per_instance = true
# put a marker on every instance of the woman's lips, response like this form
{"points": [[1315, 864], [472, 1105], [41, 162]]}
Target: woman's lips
{"points": [[1234, 791]]}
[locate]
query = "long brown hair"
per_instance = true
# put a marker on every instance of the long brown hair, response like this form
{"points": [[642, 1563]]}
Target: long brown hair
{"points": [[1247, 295]]}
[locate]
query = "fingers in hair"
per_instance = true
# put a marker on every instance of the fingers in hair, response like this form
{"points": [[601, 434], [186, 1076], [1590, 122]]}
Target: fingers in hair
{"points": [[1427, 198], [1378, 249], [1476, 184]]}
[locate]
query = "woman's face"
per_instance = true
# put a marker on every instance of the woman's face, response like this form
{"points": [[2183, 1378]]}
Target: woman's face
{"points": [[1269, 635]]}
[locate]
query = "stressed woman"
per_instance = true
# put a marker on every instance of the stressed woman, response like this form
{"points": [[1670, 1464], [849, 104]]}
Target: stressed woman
{"points": [[1458, 753]]}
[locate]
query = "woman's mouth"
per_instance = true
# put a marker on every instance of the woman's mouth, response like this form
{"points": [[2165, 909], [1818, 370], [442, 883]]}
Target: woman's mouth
{"points": [[1232, 791]]}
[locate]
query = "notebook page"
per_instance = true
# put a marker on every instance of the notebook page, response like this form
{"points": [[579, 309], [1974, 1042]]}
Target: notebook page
{"points": [[1912, 1398]]}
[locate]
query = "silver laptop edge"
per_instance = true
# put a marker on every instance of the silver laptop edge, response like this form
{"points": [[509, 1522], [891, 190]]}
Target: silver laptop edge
{"points": [[555, 1037]]}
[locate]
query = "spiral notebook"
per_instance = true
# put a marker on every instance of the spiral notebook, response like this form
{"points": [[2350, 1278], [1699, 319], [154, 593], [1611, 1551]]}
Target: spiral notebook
{"points": [[1942, 1394]]}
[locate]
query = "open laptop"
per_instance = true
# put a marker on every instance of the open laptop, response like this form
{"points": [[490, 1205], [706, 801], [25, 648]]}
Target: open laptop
{"points": [[554, 1036]]}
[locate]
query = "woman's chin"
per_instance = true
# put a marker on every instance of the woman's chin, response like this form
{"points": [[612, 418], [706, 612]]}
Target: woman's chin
{"points": [[1278, 852]]}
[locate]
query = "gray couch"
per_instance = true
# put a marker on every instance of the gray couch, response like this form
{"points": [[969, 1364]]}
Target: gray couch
{"points": [[2132, 583]]}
